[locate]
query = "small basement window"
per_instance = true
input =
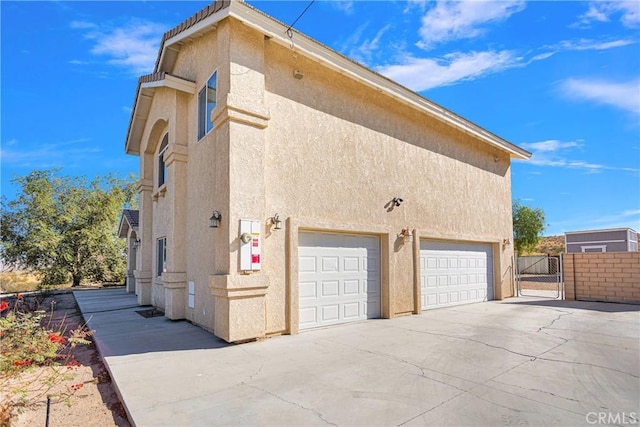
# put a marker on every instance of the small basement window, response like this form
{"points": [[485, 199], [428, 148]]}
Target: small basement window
{"points": [[206, 104]]}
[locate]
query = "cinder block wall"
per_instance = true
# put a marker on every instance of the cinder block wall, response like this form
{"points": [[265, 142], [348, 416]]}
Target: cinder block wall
{"points": [[612, 276]]}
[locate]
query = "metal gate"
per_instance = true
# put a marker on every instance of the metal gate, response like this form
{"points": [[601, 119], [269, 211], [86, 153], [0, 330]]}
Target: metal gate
{"points": [[539, 276]]}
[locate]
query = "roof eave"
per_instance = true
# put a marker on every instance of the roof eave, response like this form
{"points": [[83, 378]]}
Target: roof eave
{"points": [[340, 63], [142, 106], [275, 30]]}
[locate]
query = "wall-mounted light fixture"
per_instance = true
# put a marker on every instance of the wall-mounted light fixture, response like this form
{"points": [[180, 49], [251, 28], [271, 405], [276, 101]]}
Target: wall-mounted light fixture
{"points": [[136, 243], [506, 242], [406, 235], [396, 201], [215, 219], [276, 221], [297, 74]]}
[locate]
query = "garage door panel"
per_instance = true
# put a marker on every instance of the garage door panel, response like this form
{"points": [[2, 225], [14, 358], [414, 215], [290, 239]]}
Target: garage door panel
{"points": [[307, 264], [351, 287], [330, 313], [455, 273], [308, 290], [351, 263], [351, 311], [347, 282], [308, 316], [329, 289], [329, 264]]}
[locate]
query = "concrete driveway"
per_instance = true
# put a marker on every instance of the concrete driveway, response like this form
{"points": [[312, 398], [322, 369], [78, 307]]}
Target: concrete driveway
{"points": [[517, 362]]}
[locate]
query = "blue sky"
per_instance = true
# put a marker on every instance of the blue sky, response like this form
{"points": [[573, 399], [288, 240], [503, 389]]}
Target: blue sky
{"points": [[561, 79]]}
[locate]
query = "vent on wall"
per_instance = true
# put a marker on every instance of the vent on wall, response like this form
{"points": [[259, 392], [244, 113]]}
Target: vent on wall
{"points": [[192, 295]]}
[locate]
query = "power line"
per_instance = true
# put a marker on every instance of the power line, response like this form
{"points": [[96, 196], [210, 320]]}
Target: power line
{"points": [[289, 32]]}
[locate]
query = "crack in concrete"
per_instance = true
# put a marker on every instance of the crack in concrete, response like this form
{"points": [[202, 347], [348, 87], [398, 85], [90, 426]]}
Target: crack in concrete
{"points": [[589, 364], [565, 313], [432, 408], [255, 374], [539, 391], [315, 411], [476, 341]]}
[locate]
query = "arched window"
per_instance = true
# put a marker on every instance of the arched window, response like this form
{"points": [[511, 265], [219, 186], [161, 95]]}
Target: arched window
{"points": [[162, 167]]}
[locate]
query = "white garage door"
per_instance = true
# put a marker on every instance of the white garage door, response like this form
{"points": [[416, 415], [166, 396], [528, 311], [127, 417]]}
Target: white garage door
{"points": [[339, 276], [455, 273]]}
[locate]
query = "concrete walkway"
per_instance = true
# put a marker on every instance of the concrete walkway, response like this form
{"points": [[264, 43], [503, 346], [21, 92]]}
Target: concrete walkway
{"points": [[517, 362]]}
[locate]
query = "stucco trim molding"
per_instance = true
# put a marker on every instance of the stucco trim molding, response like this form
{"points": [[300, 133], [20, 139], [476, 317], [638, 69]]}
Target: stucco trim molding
{"points": [[238, 286], [174, 280], [176, 153], [144, 185], [256, 115]]}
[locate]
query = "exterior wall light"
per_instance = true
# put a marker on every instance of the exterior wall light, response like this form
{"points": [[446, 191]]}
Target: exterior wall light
{"points": [[506, 242], [406, 235], [136, 243], [215, 219], [396, 201], [276, 221]]}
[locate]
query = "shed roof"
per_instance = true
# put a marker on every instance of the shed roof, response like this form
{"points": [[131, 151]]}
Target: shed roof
{"points": [[604, 230], [207, 19]]}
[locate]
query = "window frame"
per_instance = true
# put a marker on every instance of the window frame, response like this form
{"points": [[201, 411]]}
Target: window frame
{"points": [[161, 256], [205, 125], [163, 171]]}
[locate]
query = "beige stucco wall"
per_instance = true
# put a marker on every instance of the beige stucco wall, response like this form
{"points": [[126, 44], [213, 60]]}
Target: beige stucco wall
{"points": [[325, 153]]}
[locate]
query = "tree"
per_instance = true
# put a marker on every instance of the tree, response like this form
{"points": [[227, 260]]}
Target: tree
{"points": [[528, 225], [65, 228]]}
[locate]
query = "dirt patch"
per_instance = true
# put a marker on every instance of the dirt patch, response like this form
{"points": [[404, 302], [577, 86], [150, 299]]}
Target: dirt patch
{"points": [[96, 402]]}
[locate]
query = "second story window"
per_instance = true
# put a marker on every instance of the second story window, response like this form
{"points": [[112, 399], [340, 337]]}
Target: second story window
{"points": [[206, 104], [162, 167]]}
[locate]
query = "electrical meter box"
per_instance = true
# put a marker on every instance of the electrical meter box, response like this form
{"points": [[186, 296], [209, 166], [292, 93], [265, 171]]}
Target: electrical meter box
{"points": [[250, 245]]}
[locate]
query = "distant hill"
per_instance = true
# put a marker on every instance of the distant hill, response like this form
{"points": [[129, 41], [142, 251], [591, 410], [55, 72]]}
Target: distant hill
{"points": [[551, 245]]}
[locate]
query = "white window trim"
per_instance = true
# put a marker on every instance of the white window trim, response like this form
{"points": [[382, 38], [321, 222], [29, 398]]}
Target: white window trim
{"points": [[198, 112], [603, 247]]}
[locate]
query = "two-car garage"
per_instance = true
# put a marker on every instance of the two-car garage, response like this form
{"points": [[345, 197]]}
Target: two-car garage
{"points": [[340, 276]]}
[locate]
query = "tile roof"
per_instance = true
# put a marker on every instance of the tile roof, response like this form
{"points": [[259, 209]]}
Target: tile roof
{"points": [[132, 216], [214, 7]]}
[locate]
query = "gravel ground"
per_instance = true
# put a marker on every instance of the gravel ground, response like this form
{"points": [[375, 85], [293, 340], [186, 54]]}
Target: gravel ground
{"points": [[96, 403]]}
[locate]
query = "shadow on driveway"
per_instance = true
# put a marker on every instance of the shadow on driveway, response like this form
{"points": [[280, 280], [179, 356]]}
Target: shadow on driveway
{"points": [[605, 307]]}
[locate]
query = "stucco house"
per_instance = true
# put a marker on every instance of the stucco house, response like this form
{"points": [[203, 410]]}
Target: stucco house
{"points": [[285, 187]]}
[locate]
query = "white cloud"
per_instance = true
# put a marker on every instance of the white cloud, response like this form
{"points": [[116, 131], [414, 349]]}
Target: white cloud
{"points": [[585, 44], [622, 95], [345, 6], [604, 11], [420, 74], [452, 20], [133, 46], [551, 145], [366, 49], [555, 153]]}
